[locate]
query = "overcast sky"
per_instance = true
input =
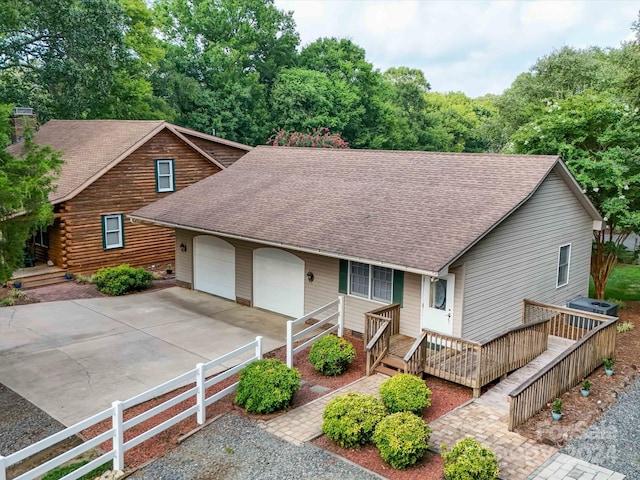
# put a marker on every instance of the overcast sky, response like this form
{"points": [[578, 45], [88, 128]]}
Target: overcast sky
{"points": [[476, 47]]}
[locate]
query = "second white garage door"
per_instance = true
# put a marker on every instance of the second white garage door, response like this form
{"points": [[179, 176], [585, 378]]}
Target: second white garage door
{"points": [[278, 281], [214, 266]]}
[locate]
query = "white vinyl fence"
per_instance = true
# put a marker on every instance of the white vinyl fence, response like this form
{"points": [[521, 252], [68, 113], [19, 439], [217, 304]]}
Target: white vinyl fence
{"points": [[116, 432], [337, 316]]}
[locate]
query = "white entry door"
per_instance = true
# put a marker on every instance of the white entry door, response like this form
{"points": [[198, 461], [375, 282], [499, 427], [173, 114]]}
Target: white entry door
{"points": [[278, 281], [214, 266], [437, 303]]}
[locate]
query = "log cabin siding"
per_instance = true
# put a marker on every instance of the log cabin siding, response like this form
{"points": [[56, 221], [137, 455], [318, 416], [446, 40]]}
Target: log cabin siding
{"points": [[519, 259], [128, 186], [224, 154]]}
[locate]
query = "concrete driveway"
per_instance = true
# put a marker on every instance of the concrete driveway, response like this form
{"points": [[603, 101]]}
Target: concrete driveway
{"points": [[73, 358]]}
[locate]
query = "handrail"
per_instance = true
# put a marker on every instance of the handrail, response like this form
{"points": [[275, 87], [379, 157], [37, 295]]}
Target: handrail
{"points": [[510, 330], [378, 346], [570, 311], [378, 334], [415, 346]]}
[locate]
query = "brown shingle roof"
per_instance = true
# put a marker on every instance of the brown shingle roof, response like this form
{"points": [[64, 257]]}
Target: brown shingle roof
{"points": [[91, 147], [410, 209]]}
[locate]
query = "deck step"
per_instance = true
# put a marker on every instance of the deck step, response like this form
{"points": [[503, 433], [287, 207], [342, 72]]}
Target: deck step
{"points": [[42, 280], [393, 361], [387, 371]]}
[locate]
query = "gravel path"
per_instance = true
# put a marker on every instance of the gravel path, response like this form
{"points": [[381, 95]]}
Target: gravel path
{"points": [[234, 447], [612, 442]]}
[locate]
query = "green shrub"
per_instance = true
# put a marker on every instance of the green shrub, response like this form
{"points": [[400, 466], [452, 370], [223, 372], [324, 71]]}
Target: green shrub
{"points": [[332, 355], [405, 393], [469, 460], [267, 386], [122, 279], [402, 439], [64, 470], [350, 419]]}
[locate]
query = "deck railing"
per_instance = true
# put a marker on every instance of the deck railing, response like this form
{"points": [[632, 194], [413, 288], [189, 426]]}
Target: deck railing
{"points": [[598, 341], [378, 346], [414, 359], [375, 318]]}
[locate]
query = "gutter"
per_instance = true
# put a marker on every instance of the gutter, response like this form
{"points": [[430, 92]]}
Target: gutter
{"points": [[314, 251]]}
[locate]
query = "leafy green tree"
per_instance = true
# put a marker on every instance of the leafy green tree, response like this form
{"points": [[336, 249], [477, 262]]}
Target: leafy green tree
{"points": [[222, 58], [597, 136], [25, 183], [316, 138]]}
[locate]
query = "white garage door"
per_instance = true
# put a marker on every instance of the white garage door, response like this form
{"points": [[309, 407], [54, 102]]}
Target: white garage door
{"points": [[278, 281], [214, 266]]}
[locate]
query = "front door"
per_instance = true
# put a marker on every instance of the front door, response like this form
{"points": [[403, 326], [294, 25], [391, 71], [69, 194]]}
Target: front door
{"points": [[437, 303]]}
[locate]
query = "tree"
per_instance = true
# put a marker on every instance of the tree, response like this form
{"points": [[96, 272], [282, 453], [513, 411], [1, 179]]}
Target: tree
{"points": [[597, 136], [316, 138], [25, 183]]}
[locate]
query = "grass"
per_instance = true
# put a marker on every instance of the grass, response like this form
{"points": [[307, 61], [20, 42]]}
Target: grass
{"points": [[623, 284], [63, 470]]}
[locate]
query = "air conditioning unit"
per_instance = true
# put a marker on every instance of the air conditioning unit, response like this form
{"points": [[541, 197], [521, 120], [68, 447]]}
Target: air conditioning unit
{"points": [[594, 305]]}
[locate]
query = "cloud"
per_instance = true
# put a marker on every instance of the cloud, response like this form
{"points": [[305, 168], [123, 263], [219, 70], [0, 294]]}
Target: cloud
{"points": [[476, 47]]}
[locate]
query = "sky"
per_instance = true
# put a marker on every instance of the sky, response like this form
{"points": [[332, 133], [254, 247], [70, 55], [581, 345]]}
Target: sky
{"points": [[476, 47]]}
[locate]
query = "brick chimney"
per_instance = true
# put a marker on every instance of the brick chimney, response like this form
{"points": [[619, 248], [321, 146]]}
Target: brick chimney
{"points": [[21, 119]]}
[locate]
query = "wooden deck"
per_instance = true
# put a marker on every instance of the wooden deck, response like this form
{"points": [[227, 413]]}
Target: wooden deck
{"points": [[399, 345], [497, 396]]}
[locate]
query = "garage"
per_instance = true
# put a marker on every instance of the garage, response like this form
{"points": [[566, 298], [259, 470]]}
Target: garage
{"points": [[214, 266], [278, 281]]}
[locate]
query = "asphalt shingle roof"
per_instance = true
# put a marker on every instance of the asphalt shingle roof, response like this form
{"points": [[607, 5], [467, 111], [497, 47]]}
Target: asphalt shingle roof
{"points": [[411, 209]]}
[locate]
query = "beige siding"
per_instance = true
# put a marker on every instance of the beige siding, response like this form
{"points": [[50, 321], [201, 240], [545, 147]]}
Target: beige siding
{"points": [[321, 291], [519, 260], [184, 260]]}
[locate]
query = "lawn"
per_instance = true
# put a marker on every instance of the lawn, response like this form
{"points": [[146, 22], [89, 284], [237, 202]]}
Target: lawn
{"points": [[623, 284]]}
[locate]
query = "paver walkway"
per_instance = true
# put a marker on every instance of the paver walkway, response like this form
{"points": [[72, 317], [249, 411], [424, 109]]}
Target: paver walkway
{"points": [[565, 466], [305, 423]]}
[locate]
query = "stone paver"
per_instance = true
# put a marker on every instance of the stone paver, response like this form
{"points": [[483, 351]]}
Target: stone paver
{"points": [[517, 456], [561, 466], [305, 423]]}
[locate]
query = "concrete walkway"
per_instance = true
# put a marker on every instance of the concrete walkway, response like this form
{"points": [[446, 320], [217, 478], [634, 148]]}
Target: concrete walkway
{"points": [[73, 358]]}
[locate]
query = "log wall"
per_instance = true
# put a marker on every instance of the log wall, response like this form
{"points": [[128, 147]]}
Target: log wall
{"points": [[224, 154], [127, 187]]}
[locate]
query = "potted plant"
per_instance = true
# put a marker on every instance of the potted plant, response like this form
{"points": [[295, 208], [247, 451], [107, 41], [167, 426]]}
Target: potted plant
{"points": [[169, 269], [17, 284], [608, 365], [556, 409], [68, 275], [585, 390]]}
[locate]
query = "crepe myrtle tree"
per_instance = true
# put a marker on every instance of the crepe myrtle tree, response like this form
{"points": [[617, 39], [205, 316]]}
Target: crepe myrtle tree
{"points": [[317, 138], [597, 135], [25, 183]]}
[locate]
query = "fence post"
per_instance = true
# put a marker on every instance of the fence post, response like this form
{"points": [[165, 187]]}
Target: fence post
{"points": [[290, 343], [340, 315], [201, 415], [3, 468], [259, 347], [118, 436]]}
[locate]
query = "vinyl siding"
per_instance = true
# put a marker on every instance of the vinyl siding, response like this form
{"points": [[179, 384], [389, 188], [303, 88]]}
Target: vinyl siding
{"points": [[519, 260], [322, 290]]}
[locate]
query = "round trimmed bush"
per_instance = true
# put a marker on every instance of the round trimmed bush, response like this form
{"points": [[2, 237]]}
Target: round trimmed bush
{"points": [[332, 355], [122, 279], [469, 460], [405, 393], [402, 439], [350, 419], [266, 386]]}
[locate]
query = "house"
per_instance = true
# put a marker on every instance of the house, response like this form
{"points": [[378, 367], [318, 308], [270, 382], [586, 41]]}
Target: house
{"points": [[458, 240], [111, 168]]}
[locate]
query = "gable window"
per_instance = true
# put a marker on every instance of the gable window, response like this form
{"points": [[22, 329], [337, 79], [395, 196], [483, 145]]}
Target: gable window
{"points": [[371, 281], [112, 231], [564, 257], [164, 176]]}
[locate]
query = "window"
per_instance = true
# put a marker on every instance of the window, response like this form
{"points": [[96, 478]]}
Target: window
{"points": [[564, 256], [371, 281], [112, 231], [41, 238], [164, 176]]}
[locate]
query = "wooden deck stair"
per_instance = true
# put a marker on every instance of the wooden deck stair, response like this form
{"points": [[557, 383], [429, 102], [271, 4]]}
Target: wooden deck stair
{"points": [[393, 363], [38, 276]]}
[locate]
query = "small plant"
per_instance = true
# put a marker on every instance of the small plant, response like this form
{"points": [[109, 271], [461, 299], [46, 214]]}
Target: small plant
{"points": [[624, 327], [266, 386], [608, 363], [83, 279], [469, 460], [332, 355], [402, 439], [405, 393], [586, 385], [64, 470], [169, 269], [621, 303], [6, 302], [122, 279], [15, 293], [556, 406], [350, 419]]}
